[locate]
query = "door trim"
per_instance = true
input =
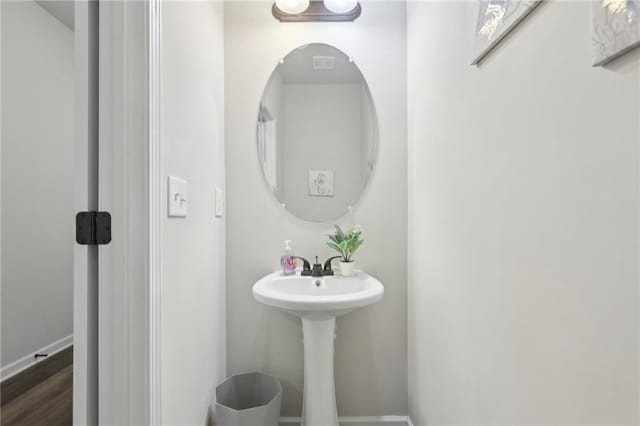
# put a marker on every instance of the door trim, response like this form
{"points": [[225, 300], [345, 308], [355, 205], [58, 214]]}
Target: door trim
{"points": [[85, 270], [155, 213], [124, 268]]}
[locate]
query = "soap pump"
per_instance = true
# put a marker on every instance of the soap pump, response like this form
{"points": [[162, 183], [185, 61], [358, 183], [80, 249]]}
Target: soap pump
{"points": [[288, 260]]}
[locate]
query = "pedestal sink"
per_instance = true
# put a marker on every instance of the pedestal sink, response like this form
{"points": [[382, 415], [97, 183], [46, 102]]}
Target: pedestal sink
{"points": [[318, 301]]}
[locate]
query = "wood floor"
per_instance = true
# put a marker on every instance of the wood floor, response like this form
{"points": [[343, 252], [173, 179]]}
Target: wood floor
{"points": [[41, 395]]}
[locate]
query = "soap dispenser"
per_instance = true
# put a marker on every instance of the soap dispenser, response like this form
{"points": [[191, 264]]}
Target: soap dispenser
{"points": [[288, 260]]}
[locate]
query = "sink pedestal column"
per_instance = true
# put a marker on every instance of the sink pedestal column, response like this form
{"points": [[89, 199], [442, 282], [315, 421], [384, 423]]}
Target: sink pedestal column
{"points": [[319, 398]]}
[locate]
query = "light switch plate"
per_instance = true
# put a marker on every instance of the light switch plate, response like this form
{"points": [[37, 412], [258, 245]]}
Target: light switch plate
{"points": [[177, 197], [219, 203], [321, 183]]}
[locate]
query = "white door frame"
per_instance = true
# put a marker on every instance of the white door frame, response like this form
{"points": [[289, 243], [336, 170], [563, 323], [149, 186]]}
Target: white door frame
{"points": [[129, 178], [155, 212], [85, 273]]}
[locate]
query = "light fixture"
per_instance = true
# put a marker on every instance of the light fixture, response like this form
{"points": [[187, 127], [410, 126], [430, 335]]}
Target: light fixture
{"points": [[292, 7], [316, 10], [340, 6]]}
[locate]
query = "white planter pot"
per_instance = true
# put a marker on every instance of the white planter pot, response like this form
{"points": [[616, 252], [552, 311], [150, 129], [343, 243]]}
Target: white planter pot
{"points": [[347, 268]]}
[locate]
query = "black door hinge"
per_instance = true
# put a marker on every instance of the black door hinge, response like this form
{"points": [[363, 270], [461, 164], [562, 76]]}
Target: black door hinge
{"points": [[93, 228]]}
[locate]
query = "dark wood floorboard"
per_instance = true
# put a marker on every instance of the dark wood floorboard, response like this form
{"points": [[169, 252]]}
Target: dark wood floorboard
{"points": [[20, 383], [48, 402]]}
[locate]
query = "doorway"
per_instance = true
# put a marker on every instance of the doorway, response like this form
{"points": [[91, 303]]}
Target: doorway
{"points": [[49, 172]]}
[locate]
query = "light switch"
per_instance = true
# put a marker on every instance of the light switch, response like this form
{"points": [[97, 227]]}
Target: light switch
{"points": [[321, 183], [177, 197], [219, 203]]}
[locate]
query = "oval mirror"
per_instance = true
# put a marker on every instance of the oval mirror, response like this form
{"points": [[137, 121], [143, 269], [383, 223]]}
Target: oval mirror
{"points": [[317, 133]]}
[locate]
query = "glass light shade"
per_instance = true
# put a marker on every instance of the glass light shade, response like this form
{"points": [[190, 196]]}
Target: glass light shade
{"points": [[292, 7], [340, 6]]}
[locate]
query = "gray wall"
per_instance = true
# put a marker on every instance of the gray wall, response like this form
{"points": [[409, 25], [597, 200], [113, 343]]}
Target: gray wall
{"points": [[193, 297], [523, 211], [371, 343], [37, 180]]}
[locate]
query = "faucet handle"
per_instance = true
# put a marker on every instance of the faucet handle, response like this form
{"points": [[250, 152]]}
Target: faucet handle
{"points": [[306, 266], [327, 265]]}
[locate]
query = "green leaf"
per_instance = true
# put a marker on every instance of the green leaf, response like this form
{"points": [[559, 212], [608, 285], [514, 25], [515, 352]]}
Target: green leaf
{"points": [[356, 246], [335, 247]]}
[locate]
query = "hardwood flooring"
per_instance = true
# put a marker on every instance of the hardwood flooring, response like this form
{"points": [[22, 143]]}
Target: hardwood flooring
{"points": [[41, 395]]}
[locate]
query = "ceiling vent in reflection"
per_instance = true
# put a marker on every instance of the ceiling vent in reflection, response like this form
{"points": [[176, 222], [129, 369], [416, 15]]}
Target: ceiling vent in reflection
{"points": [[324, 62]]}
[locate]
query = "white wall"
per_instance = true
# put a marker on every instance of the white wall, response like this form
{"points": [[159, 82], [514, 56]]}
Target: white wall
{"points": [[321, 135], [193, 270], [37, 179], [371, 343], [523, 218]]}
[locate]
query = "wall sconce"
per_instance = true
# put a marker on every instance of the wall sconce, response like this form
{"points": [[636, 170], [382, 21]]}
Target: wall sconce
{"points": [[316, 11]]}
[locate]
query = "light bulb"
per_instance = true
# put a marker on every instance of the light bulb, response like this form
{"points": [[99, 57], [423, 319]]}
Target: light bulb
{"points": [[340, 6], [292, 7]]}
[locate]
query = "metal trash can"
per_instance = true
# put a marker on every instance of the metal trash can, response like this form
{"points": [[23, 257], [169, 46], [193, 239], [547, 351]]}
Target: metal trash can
{"points": [[251, 399]]}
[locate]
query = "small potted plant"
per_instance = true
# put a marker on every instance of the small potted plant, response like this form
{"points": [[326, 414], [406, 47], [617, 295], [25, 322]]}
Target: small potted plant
{"points": [[346, 243]]}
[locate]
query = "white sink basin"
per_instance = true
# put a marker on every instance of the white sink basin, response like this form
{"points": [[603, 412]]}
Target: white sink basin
{"points": [[325, 296], [318, 301]]}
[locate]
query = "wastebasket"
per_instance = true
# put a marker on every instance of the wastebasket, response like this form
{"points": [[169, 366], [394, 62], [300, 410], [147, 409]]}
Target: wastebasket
{"points": [[251, 399]]}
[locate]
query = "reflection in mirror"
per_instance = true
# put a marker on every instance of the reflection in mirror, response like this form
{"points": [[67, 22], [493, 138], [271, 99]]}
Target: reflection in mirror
{"points": [[317, 133]]}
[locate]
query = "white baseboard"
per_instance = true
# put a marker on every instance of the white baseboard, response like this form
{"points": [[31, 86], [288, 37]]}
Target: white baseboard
{"points": [[357, 419], [27, 361]]}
